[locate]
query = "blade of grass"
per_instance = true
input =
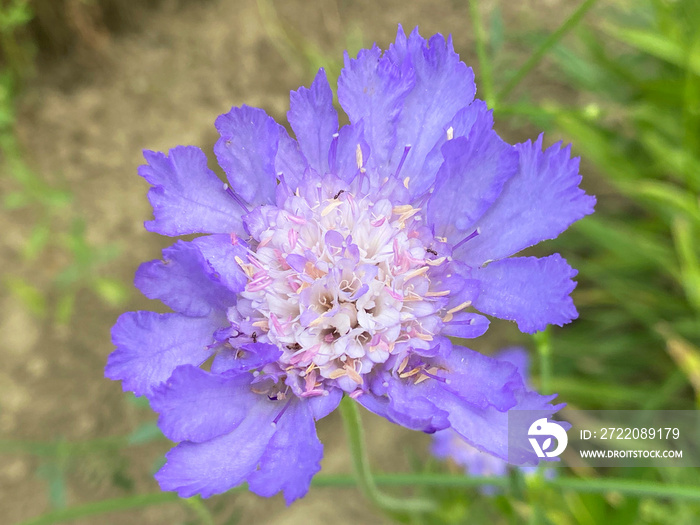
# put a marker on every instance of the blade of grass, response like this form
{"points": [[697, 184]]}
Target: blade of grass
{"points": [[627, 487], [484, 62], [103, 507], [541, 51]]}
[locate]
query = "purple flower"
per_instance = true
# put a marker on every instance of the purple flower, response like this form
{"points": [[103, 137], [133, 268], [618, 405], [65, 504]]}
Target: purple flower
{"points": [[340, 263], [448, 444]]}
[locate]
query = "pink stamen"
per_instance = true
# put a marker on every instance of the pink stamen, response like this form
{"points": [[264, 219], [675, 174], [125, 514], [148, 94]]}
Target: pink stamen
{"points": [[394, 294], [255, 262], [234, 239], [378, 222], [257, 285], [311, 352], [313, 393], [294, 285], [276, 323], [356, 393], [351, 201], [310, 380], [293, 236], [296, 219]]}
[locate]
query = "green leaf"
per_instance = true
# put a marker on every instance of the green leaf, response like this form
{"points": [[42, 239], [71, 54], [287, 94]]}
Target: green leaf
{"points": [[37, 241], [145, 433], [111, 291], [28, 294], [139, 402], [64, 307], [15, 200], [656, 44]]}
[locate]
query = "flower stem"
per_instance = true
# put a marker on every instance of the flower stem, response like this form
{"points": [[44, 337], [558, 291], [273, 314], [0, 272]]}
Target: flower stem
{"points": [[363, 475], [544, 350], [103, 507], [195, 503], [549, 43], [627, 487]]}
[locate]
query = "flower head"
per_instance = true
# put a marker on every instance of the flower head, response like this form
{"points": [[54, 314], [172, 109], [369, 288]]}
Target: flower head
{"points": [[341, 262]]}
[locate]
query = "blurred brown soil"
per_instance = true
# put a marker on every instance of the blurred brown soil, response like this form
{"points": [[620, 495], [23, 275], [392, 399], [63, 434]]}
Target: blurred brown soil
{"points": [[83, 123]]}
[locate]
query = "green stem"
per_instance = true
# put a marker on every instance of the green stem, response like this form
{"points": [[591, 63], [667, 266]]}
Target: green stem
{"points": [[628, 487], [42, 448], [410, 480], [544, 351], [363, 474], [102, 507], [484, 64], [195, 503], [549, 42], [622, 486]]}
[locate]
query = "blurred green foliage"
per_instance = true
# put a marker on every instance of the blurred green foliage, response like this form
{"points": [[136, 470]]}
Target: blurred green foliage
{"points": [[638, 256], [633, 72], [54, 224]]}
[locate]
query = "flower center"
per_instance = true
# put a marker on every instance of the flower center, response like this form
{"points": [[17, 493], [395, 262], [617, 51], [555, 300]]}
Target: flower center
{"points": [[340, 282]]}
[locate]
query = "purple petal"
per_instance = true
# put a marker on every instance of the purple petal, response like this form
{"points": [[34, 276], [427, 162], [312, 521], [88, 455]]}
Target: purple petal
{"points": [[220, 464], [519, 357], [460, 125], [150, 346], [471, 178], [298, 262], [373, 90], [292, 457], [246, 151], [321, 406], [314, 121], [249, 357], [405, 404], [195, 405], [187, 197], [349, 138], [184, 281], [448, 444], [532, 292], [487, 428], [480, 380], [289, 162], [538, 203], [334, 238], [450, 84], [220, 253]]}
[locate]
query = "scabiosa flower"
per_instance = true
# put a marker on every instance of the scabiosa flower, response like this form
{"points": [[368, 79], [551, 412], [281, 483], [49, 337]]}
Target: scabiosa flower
{"points": [[341, 262], [449, 444]]}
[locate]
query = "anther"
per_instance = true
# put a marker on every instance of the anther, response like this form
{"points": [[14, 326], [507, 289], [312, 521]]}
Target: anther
{"points": [[358, 157]]}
